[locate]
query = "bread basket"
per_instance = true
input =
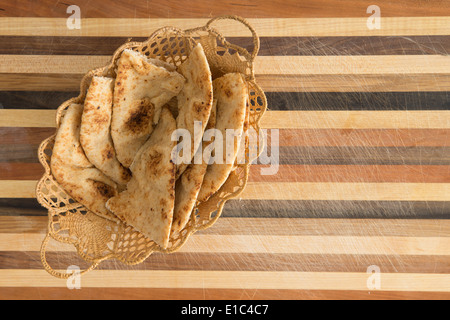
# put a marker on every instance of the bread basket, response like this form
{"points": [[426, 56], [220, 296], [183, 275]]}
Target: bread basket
{"points": [[97, 239]]}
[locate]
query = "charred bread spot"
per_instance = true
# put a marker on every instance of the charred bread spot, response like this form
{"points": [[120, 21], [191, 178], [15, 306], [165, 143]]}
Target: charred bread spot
{"points": [[228, 93], [108, 153], [140, 116], [153, 159], [104, 189]]}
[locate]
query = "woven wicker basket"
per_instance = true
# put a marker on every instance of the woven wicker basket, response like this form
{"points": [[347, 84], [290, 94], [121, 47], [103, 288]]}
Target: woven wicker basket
{"points": [[97, 239]]}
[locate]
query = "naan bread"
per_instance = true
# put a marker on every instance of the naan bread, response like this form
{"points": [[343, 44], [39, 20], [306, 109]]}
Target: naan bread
{"points": [[74, 172], [195, 99], [141, 89], [231, 93], [147, 204], [188, 186], [95, 136]]}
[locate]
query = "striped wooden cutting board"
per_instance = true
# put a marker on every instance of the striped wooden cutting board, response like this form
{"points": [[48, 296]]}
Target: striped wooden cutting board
{"points": [[364, 176]]}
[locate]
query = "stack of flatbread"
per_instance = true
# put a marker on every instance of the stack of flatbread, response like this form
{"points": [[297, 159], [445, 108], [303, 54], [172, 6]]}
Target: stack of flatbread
{"points": [[116, 153]]}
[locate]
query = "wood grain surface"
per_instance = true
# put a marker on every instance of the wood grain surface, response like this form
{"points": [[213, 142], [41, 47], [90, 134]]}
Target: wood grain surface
{"points": [[362, 120]]}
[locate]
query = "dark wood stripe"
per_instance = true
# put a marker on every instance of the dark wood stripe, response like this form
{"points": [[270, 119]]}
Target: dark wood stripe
{"points": [[49, 293], [205, 9], [269, 46], [345, 209], [35, 99], [338, 209], [21, 207], [240, 262], [358, 100], [276, 100], [11, 153]]}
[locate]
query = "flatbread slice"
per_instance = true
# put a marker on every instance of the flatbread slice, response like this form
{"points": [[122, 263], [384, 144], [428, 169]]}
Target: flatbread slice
{"points": [[195, 100], [188, 186], [147, 204], [74, 172], [95, 136], [231, 93], [141, 89]]}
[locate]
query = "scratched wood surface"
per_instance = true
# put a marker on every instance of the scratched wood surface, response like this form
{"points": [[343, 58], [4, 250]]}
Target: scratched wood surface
{"points": [[364, 144]]}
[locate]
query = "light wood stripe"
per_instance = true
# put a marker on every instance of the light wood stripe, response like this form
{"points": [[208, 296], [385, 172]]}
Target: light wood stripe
{"points": [[348, 83], [232, 280], [269, 83], [18, 188], [356, 119], [316, 244], [267, 27], [27, 118], [347, 191], [383, 191], [279, 226], [282, 119], [264, 65]]}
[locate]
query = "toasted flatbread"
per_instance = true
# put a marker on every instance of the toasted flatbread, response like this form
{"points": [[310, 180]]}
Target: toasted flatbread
{"points": [[74, 172], [141, 89], [95, 136], [195, 100], [231, 93], [188, 185], [147, 204]]}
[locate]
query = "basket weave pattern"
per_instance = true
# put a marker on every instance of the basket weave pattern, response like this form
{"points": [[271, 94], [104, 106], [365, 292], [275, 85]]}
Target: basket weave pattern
{"points": [[97, 239]]}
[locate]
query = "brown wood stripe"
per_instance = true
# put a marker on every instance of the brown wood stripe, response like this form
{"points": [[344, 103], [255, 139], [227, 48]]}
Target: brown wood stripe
{"points": [[24, 135], [204, 8], [362, 137], [289, 137], [351, 173], [21, 171], [240, 262], [52, 293], [269, 46], [269, 83], [210, 294], [299, 155], [294, 173], [266, 27]]}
